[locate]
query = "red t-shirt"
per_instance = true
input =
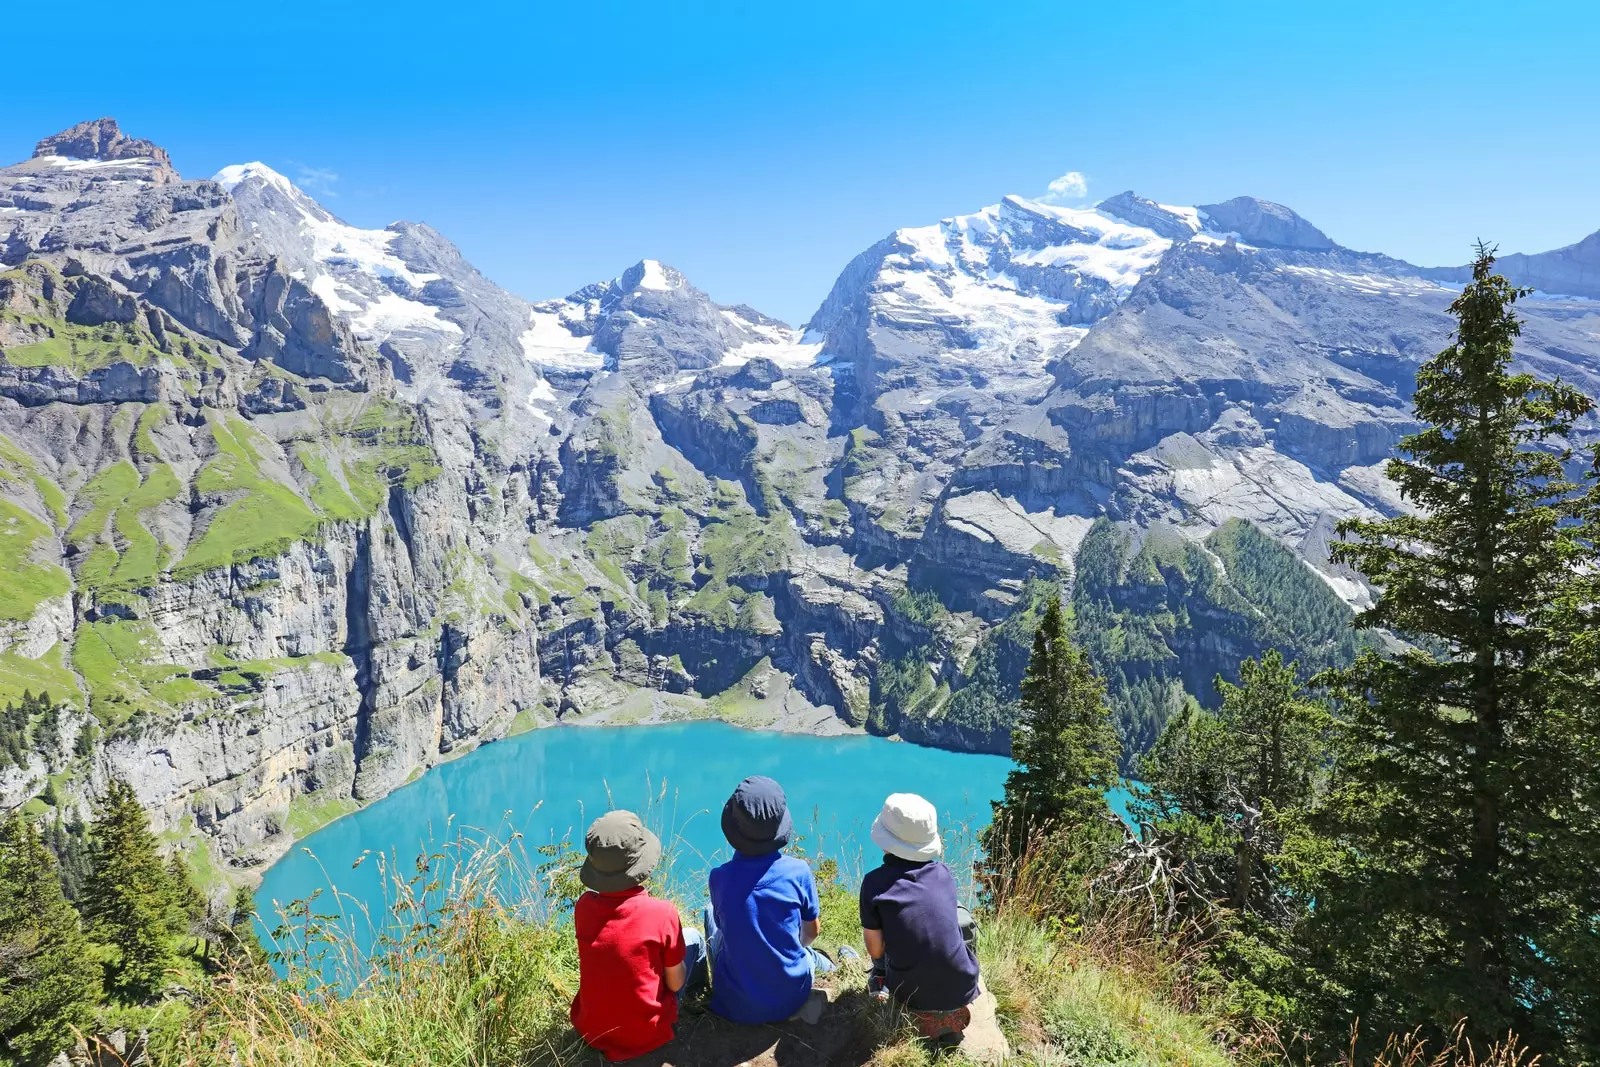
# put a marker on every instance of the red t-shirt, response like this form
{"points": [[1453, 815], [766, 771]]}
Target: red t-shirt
{"points": [[626, 942]]}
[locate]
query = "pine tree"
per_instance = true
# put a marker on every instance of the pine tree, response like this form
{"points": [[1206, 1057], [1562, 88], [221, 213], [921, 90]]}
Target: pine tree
{"points": [[242, 947], [47, 730], [1461, 879], [187, 910], [1258, 758], [48, 983], [1223, 798], [128, 900], [69, 843], [1064, 745], [186, 897]]}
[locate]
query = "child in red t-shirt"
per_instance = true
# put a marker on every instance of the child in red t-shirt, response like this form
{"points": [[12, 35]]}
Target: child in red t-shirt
{"points": [[634, 957]]}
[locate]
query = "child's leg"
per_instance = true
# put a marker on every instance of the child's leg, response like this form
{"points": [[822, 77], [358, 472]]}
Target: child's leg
{"points": [[694, 960], [713, 935], [968, 926]]}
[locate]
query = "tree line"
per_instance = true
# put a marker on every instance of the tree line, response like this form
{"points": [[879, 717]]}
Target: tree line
{"points": [[1413, 840], [137, 924]]}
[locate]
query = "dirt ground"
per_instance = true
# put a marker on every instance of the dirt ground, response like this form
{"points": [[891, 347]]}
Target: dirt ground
{"points": [[851, 1027]]}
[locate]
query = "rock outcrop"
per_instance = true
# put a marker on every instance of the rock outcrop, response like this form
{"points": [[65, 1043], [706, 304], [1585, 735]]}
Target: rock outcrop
{"points": [[104, 141]]}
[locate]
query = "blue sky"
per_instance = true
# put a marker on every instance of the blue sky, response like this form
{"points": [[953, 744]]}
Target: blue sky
{"points": [[759, 146]]}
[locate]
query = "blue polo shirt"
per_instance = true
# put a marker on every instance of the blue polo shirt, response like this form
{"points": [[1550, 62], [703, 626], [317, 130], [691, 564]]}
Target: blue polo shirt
{"points": [[761, 972]]}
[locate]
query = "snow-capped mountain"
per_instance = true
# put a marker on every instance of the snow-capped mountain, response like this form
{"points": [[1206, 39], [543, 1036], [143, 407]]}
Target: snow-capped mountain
{"points": [[1029, 367], [651, 323], [356, 272], [406, 289], [449, 333], [988, 300]]}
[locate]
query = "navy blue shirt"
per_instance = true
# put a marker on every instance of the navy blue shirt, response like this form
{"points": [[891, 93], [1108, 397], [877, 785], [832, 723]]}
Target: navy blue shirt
{"points": [[761, 972], [930, 967]]}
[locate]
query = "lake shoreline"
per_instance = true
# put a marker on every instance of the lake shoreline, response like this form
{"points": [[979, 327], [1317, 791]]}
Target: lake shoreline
{"points": [[771, 705], [784, 711], [546, 784]]}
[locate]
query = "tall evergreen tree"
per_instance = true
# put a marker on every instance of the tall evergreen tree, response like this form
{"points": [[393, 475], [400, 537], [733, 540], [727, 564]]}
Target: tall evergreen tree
{"points": [[48, 982], [129, 898], [189, 902], [69, 842], [1223, 798], [1064, 745], [1452, 890], [1223, 782]]}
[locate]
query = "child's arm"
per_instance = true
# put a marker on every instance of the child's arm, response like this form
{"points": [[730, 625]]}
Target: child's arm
{"points": [[674, 964], [874, 942], [810, 909]]}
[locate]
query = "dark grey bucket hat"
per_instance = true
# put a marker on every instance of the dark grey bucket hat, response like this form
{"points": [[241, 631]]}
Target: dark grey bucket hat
{"points": [[755, 820], [622, 853]]}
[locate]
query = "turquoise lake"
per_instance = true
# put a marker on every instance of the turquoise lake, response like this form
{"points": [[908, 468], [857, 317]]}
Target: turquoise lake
{"points": [[549, 784]]}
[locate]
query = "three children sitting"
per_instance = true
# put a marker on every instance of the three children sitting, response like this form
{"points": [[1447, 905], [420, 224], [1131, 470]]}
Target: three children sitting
{"points": [[636, 960]]}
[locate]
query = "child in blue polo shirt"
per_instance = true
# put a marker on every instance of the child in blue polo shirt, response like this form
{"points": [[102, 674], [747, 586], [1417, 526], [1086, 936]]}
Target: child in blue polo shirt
{"points": [[764, 913]]}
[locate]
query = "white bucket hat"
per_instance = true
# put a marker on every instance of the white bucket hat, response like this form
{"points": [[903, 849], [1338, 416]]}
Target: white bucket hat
{"points": [[908, 827]]}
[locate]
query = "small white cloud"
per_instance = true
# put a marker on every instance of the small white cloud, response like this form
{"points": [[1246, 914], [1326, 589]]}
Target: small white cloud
{"points": [[318, 181], [1070, 186]]}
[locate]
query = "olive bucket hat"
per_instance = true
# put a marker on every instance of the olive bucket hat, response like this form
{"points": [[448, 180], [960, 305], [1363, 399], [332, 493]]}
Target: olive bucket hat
{"points": [[622, 853], [755, 820]]}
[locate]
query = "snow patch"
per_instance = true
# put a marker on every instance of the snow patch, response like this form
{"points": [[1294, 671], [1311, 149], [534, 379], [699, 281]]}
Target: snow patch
{"points": [[364, 280], [73, 163], [328, 288], [391, 312], [988, 273], [548, 342], [1120, 265], [1372, 284], [930, 244], [655, 277], [791, 354], [1007, 327], [1190, 215], [230, 177], [540, 396], [784, 345]]}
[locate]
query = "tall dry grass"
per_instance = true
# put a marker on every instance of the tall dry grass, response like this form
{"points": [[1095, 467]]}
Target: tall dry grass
{"points": [[467, 964], [1410, 1050]]}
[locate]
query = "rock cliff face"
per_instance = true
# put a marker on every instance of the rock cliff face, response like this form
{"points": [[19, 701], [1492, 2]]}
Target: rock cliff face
{"points": [[291, 510]]}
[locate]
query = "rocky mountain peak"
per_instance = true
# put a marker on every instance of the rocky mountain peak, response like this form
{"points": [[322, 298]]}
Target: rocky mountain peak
{"points": [[1264, 224], [102, 140], [652, 274], [235, 175], [1175, 224]]}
